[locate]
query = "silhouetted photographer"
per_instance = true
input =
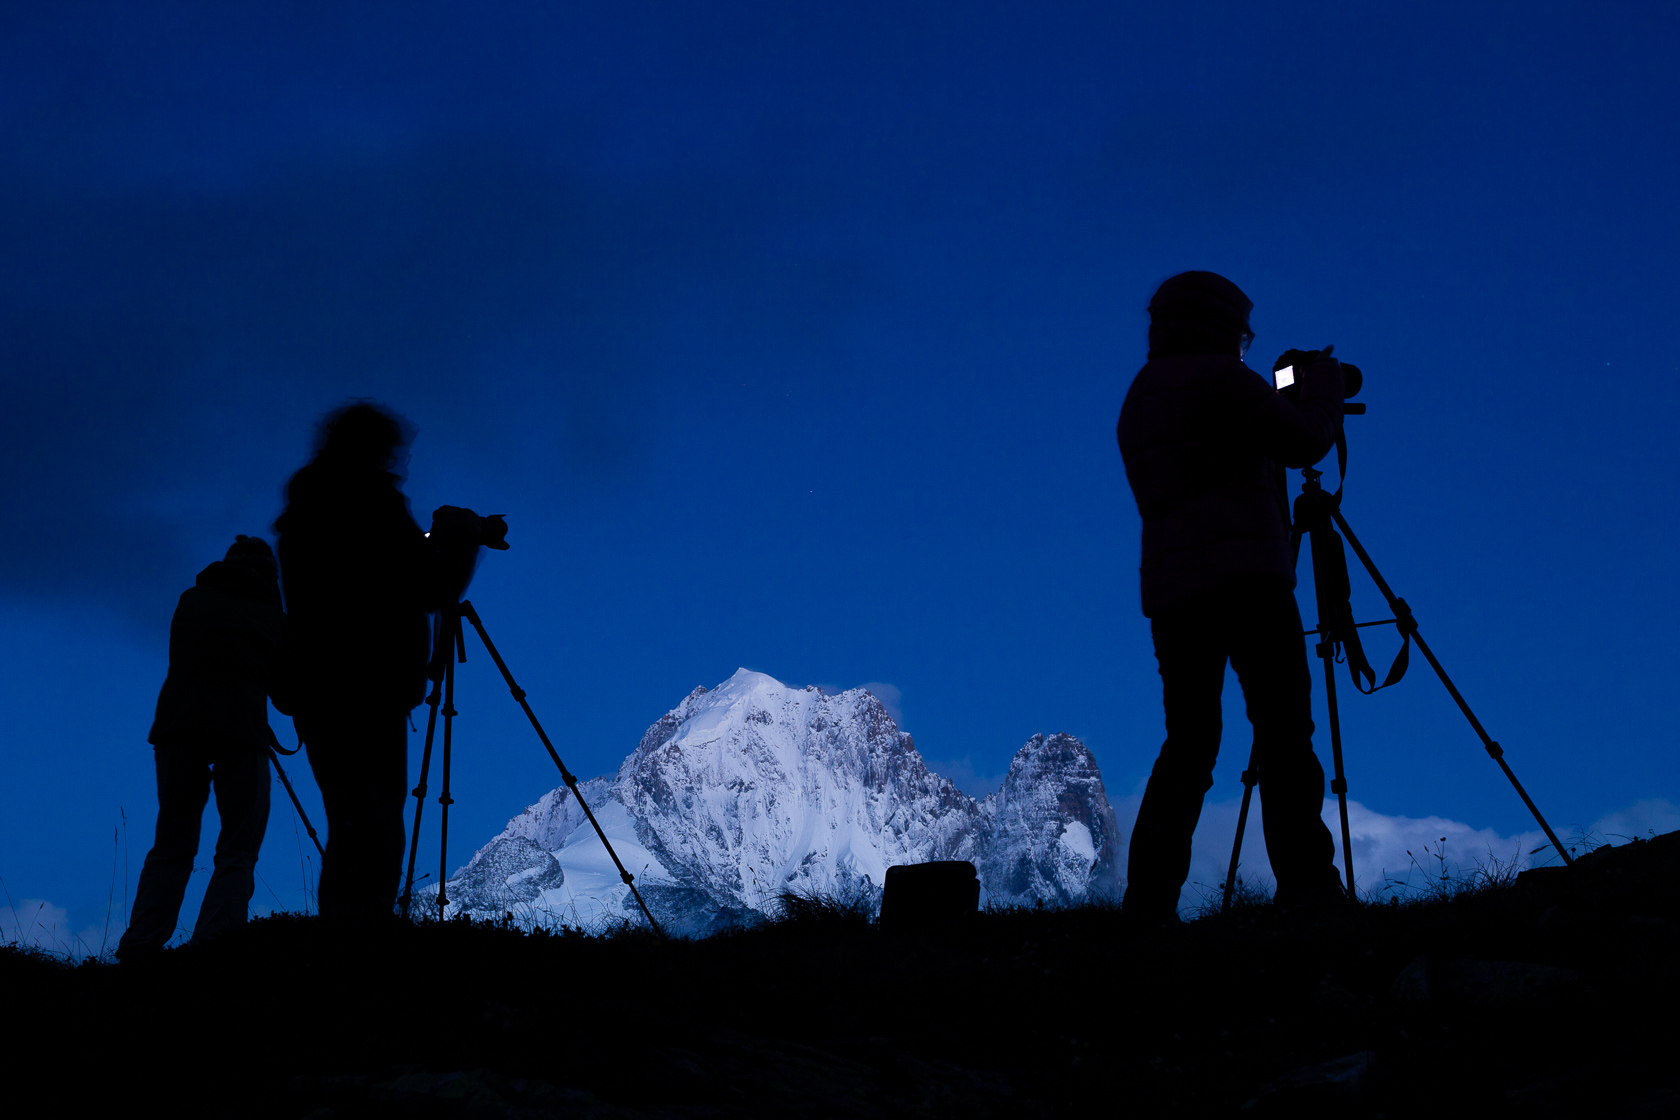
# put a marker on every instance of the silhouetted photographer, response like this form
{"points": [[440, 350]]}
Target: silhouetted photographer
{"points": [[359, 579], [1205, 440], [211, 729]]}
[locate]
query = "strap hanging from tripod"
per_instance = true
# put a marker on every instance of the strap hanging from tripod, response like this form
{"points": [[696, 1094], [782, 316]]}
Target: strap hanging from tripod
{"points": [[1341, 468], [274, 742], [275, 750], [1336, 625]]}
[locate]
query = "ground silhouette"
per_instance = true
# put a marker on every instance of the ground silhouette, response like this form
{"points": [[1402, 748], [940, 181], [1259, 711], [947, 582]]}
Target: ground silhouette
{"points": [[1532, 999]]}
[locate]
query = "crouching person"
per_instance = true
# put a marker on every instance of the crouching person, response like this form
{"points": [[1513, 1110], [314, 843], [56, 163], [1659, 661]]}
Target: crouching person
{"points": [[212, 729]]}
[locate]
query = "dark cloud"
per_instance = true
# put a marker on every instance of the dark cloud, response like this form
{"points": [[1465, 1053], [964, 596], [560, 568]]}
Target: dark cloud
{"points": [[163, 352]]}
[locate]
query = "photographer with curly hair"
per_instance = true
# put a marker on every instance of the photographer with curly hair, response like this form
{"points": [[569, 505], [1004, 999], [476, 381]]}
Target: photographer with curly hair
{"points": [[359, 580]]}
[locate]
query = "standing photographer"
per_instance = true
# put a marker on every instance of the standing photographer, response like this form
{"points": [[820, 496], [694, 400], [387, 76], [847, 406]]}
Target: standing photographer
{"points": [[211, 731], [1204, 441], [358, 578]]}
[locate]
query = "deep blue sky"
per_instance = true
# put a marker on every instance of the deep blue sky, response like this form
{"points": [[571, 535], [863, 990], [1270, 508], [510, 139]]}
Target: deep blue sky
{"points": [[793, 338]]}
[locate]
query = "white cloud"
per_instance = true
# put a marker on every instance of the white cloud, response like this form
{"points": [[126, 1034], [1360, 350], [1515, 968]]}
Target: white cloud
{"points": [[37, 924], [1401, 853], [1639, 821], [1394, 854]]}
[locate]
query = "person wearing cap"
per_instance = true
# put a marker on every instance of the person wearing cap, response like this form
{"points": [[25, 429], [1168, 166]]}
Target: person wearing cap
{"points": [[1205, 440], [211, 730]]}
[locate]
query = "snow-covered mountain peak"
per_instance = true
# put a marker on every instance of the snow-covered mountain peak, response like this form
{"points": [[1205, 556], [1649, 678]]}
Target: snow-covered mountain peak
{"points": [[754, 788], [1066, 841]]}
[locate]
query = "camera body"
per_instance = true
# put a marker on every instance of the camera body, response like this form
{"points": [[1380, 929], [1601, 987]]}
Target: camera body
{"points": [[456, 537], [1286, 380]]}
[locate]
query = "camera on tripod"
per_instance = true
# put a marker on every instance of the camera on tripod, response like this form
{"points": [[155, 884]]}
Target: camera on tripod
{"points": [[457, 535], [1317, 517], [456, 538], [1284, 377]]}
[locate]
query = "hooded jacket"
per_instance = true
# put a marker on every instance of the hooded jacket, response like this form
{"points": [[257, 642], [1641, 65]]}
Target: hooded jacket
{"points": [[224, 661], [358, 577], [1203, 438]]}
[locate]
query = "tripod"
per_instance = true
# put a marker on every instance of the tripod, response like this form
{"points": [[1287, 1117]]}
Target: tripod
{"points": [[448, 647], [1318, 515]]}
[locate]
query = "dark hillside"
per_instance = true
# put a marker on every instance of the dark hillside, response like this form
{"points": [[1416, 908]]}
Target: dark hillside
{"points": [[1552, 997]]}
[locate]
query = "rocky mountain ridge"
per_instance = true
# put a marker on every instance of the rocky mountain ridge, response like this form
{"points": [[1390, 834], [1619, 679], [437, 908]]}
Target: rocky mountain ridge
{"points": [[754, 788]]}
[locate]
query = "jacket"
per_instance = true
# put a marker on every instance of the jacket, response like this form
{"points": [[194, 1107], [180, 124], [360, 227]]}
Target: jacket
{"points": [[1204, 439], [358, 577], [225, 661]]}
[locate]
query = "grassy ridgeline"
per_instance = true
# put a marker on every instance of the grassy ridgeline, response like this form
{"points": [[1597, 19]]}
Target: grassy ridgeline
{"points": [[1507, 1000]]}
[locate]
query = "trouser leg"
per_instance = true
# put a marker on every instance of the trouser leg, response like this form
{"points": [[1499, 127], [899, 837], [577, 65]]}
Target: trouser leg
{"points": [[242, 801], [183, 782], [1191, 655], [1269, 655], [360, 761]]}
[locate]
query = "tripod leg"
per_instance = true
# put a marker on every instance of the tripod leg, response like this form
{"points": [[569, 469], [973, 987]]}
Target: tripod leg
{"points": [[443, 794], [1249, 777], [1408, 626], [296, 804], [565, 775], [1329, 591], [1338, 784], [419, 792]]}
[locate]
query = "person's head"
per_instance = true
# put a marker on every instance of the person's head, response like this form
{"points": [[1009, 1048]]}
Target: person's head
{"points": [[253, 553], [1199, 313], [362, 435]]}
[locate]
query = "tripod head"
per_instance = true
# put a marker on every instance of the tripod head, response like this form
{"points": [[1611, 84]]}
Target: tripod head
{"points": [[457, 536]]}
